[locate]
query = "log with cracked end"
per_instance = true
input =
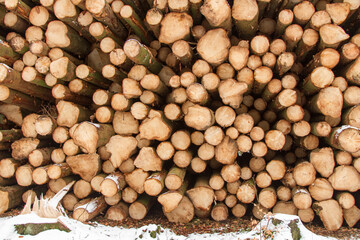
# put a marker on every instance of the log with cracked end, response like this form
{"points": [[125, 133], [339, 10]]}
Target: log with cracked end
{"points": [[148, 160], [201, 195], [155, 127], [175, 26], [183, 213], [121, 148], [330, 212], [136, 179], [85, 165], [214, 46], [231, 92]]}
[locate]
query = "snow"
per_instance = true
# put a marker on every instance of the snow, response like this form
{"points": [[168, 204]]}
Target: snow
{"points": [[80, 231]]}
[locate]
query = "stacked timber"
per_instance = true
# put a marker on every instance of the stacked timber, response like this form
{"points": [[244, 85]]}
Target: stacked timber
{"points": [[208, 108]]}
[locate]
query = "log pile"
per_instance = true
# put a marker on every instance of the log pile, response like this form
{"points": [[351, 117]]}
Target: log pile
{"points": [[210, 108]]}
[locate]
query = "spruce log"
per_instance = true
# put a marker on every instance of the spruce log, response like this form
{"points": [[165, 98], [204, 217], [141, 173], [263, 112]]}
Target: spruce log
{"points": [[40, 157], [183, 213], [351, 216], [345, 178], [245, 13], [323, 161], [154, 184], [101, 10]]}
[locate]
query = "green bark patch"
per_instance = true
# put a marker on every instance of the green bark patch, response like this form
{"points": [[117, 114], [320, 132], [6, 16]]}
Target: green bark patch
{"points": [[295, 231], [35, 228]]}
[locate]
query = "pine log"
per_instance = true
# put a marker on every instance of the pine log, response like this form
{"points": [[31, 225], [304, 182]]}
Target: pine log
{"points": [[10, 197], [201, 194], [148, 160], [136, 179], [112, 184], [71, 113], [86, 165], [118, 212], [12, 79], [60, 35], [214, 46], [87, 209], [121, 148], [351, 216], [245, 13], [330, 214], [345, 178]]}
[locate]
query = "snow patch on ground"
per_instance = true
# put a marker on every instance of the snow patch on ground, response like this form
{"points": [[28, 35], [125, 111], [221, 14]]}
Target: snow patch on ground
{"points": [[271, 227]]}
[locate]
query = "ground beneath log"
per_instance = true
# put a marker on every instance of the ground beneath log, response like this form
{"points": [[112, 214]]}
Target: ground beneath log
{"points": [[207, 226]]}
